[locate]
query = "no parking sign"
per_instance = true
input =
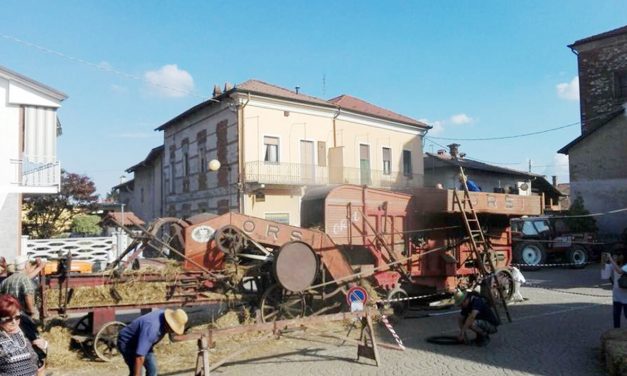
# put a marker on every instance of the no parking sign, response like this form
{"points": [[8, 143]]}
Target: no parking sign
{"points": [[357, 298]]}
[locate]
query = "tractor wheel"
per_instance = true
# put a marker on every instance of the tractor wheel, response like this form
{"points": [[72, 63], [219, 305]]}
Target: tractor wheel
{"points": [[530, 255], [577, 256]]}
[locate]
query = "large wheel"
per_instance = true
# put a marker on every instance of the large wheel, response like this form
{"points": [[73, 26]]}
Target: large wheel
{"points": [[169, 234], [577, 256], [530, 255], [229, 240], [505, 280], [280, 304], [105, 342], [399, 304]]}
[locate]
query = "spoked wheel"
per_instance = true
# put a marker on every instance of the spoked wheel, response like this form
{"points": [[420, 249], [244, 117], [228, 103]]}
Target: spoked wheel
{"points": [[168, 235], [229, 240], [105, 342], [398, 302], [280, 304], [506, 282]]}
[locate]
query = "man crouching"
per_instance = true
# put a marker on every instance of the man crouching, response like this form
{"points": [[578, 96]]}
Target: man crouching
{"points": [[476, 315]]}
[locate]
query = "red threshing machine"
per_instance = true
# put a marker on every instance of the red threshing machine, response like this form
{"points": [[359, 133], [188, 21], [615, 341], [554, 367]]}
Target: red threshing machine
{"points": [[403, 244]]}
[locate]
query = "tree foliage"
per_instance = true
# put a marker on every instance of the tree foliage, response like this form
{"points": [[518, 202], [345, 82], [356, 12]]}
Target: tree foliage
{"points": [[580, 224], [50, 215], [86, 224]]}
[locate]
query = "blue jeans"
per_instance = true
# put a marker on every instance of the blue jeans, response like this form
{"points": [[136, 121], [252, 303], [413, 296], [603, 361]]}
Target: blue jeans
{"points": [[150, 364], [618, 306]]}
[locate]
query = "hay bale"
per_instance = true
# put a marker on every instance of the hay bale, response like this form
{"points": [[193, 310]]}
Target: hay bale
{"points": [[135, 292]]}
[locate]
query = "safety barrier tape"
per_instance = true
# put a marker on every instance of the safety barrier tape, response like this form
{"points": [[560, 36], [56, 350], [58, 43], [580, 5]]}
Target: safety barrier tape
{"points": [[384, 301], [535, 285], [561, 241], [553, 265], [391, 330]]}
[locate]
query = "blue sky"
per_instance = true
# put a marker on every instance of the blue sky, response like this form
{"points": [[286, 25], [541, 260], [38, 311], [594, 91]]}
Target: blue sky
{"points": [[471, 68]]}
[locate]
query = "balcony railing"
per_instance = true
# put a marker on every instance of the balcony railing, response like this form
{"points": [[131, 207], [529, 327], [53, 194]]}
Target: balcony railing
{"points": [[303, 174], [35, 177]]}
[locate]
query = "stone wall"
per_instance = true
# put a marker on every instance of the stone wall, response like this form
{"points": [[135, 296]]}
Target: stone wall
{"points": [[599, 63]]}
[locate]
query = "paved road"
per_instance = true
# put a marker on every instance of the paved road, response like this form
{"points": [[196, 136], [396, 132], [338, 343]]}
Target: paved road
{"points": [[555, 332]]}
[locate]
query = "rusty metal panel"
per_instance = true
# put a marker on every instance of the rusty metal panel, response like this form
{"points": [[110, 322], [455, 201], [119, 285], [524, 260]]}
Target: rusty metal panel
{"points": [[431, 200], [276, 234], [346, 205]]}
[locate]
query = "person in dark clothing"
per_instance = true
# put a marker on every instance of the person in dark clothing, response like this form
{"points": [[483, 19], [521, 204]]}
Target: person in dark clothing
{"points": [[476, 315], [471, 185]]}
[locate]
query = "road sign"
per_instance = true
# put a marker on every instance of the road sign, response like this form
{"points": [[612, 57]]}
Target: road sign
{"points": [[356, 298]]}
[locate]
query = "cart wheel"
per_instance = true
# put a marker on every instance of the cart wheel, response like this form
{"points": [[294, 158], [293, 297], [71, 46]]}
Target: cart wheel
{"points": [[506, 280], [105, 343], [229, 240], [278, 304]]}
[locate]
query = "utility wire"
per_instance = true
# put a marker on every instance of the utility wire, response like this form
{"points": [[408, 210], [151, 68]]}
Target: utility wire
{"points": [[507, 137], [100, 66], [598, 214]]}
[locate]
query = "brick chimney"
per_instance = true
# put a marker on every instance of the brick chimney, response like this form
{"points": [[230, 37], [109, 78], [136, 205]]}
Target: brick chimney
{"points": [[216, 90], [454, 150], [554, 178]]}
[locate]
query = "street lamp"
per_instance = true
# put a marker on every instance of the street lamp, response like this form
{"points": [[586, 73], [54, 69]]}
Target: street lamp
{"points": [[214, 166]]}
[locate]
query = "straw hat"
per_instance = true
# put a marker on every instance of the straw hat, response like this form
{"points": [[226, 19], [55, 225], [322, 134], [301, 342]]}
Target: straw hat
{"points": [[176, 319], [20, 262], [459, 296]]}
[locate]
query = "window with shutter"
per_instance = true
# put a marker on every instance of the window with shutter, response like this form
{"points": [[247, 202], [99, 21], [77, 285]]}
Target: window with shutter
{"points": [[271, 149], [387, 161]]}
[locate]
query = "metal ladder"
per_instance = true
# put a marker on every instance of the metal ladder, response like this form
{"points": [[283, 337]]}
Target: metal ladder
{"points": [[479, 245]]}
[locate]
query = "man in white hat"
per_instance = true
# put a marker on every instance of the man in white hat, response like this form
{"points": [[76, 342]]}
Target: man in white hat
{"points": [[137, 340]]}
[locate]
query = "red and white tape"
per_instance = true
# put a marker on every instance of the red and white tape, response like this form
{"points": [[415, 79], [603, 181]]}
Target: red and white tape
{"points": [[391, 330]]}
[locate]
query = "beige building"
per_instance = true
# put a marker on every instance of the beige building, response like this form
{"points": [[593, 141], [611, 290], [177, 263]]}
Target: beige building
{"points": [[273, 144]]}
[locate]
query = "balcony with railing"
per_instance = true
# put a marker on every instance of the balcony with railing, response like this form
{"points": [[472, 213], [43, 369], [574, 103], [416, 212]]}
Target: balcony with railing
{"points": [[28, 176], [302, 174]]}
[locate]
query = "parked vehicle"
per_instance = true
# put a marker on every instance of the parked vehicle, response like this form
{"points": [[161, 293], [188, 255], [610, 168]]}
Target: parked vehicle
{"points": [[540, 240]]}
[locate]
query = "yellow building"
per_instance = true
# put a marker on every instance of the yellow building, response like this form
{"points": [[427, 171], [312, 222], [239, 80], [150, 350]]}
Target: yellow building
{"points": [[273, 144]]}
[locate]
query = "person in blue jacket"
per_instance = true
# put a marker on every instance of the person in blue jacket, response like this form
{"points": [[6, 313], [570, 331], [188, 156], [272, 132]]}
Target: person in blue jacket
{"points": [[137, 340], [471, 185]]}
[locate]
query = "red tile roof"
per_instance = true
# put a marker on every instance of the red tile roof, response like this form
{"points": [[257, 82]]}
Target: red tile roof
{"points": [[607, 34], [130, 219], [260, 87], [265, 89], [361, 106]]}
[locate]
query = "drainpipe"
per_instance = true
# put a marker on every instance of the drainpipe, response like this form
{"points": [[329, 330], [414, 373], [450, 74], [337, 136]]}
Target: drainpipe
{"points": [[242, 160], [334, 130]]}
